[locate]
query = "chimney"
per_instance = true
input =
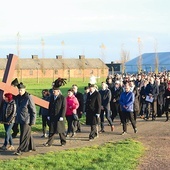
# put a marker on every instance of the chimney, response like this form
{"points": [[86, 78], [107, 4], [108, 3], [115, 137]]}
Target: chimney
{"points": [[58, 56], [81, 57], [34, 56]]}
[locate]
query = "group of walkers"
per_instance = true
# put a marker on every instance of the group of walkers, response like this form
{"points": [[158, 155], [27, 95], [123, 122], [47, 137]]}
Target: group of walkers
{"points": [[129, 96]]}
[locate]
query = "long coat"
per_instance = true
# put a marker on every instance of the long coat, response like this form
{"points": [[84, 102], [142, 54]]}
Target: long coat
{"points": [[136, 102], [57, 109], [26, 110], [93, 107]]}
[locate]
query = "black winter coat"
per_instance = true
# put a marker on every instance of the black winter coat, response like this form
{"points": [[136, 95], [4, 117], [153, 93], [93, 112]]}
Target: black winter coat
{"points": [[26, 110], [57, 109], [93, 107], [8, 112]]}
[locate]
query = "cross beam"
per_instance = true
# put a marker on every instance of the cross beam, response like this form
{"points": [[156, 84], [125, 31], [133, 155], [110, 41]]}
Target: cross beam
{"points": [[5, 85]]}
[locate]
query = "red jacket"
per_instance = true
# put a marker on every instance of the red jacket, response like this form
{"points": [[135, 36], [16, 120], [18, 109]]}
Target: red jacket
{"points": [[72, 105]]}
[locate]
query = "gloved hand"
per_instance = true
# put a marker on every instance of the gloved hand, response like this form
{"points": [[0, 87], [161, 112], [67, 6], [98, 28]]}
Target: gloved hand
{"points": [[61, 119]]}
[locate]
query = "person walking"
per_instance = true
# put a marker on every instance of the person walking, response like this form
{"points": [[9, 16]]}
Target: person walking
{"points": [[44, 113], [26, 117], [105, 107], [167, 102], [57, 109], [152, 91], [93, 109], [79, 97], [15, 127], [72, 105], [7, 117], [127, 103], [114, 103]]}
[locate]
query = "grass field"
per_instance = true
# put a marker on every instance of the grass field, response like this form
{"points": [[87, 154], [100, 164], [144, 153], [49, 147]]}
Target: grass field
{"points": [[122, 155]]}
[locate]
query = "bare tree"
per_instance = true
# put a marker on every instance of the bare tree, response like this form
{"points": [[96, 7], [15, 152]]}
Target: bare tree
{"points": [[103, 56], [125, 55], [139, 63]]}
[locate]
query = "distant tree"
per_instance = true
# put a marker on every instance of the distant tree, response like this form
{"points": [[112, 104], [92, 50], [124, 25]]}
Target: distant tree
{"points": [[125, 55], [139, 62]]}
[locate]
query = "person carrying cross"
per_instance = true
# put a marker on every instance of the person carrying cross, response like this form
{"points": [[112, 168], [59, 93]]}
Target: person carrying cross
{"points": [[26, 117]]}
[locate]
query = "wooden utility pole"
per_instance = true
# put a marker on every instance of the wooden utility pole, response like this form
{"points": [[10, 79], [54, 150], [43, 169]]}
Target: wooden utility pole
{"points": [[18, 53], [156, 58]]}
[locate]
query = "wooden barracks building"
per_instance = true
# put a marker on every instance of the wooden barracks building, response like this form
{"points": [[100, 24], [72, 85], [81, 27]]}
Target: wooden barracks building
{"points": [[57, 67]]}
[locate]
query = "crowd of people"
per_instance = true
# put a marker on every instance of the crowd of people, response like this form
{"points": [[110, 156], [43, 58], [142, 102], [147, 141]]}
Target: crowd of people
{"points": [[125, 95]]}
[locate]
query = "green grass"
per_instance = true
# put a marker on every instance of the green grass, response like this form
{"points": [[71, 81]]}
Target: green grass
{"points": [[122, 155]]}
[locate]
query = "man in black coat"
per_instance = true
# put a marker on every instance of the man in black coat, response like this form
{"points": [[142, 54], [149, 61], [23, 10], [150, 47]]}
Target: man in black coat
{"points": [[26, 117], [114, 104], [152, 91], [93, 109], [105, 106], [57, 109], [79, 97]]}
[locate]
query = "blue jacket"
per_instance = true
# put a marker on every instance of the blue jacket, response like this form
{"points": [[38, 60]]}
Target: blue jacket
{"points": [[127, 99]]}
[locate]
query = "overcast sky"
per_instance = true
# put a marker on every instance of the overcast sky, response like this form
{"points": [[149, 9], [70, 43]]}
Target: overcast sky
{"points": [[83, 26]]}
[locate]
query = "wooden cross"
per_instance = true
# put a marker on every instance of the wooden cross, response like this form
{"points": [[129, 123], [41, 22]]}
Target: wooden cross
{"points": [[5, 85]]}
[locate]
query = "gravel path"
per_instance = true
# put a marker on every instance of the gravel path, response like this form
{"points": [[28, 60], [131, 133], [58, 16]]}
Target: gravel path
{"points": [[155, 135]]}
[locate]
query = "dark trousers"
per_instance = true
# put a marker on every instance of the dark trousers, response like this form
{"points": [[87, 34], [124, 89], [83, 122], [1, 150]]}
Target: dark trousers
{"points": [[70, 124], [160, 110], [45, 123], [26, 140], [77, 124], [8, 137], [151, 108], [15, 129], [143, 109], [128, 116], [93, 132], [52, 135], [115, 109], [108, 117]]}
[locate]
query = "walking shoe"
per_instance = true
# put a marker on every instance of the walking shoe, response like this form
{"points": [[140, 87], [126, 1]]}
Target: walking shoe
{"points": [[11, 148], [112, 128], [3, 148], [44, 136], [63, 144], [91, 139], [101, 131], [18, 153], [78, 131], [46, 145], [124, 133], [135, 130], [73, 135]]}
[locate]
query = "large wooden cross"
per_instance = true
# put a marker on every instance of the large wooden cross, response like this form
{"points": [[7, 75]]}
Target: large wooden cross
{"points": [[5, 85]]}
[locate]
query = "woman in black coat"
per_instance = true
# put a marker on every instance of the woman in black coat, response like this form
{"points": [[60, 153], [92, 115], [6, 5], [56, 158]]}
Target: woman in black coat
{"points": [[93, 109], [7, 117]]}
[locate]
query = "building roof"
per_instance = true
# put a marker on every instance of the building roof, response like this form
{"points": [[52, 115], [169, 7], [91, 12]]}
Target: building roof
{"points": [[57, 63], [148, 62]]}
